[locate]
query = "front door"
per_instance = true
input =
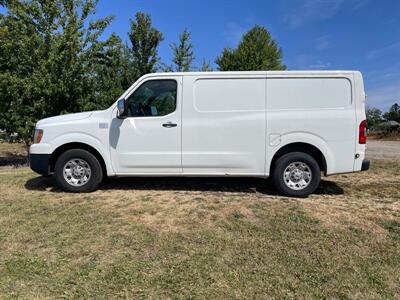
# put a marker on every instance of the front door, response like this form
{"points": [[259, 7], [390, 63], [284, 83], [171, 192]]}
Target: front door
{"points": [[148, 141]]}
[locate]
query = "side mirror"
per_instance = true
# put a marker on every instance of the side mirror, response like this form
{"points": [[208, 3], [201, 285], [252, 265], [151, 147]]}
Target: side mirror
{"points": [[122, 110]]}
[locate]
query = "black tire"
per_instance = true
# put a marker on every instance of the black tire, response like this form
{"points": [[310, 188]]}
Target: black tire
{"points": [[96, 172], [284, 162]]}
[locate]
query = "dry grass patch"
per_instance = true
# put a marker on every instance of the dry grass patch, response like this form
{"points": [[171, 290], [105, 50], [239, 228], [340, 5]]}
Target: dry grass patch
{"points": [[201, 238], [12, 154], [12, 149]]}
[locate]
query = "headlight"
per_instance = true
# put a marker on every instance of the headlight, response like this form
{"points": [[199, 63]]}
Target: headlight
{"points": [[37, 136]]}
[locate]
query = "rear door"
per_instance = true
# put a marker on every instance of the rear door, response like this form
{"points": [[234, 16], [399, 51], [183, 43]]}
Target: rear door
{"points": [[148, 141]]}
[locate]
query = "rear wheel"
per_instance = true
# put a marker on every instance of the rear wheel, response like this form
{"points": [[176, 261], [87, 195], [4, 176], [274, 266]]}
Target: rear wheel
{"points": [[77, 171], [296, 174]]}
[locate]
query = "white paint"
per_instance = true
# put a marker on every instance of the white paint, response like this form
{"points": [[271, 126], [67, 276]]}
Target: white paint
{"points": [[223, 128], [142, 145], [228, 123], [308, 93]]}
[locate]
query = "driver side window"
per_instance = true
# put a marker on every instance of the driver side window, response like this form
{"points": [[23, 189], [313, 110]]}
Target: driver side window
{"points": [[153, 98]]}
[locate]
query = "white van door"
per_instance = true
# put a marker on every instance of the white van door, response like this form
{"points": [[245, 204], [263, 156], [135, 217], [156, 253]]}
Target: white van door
{"points": [[224, 125], [148, 141]]}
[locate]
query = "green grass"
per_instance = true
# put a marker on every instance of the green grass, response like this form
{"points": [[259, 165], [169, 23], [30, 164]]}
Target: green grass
{"points": [[152, 238]]}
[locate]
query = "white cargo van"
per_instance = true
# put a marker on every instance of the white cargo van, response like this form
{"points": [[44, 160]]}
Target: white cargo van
{"points": [[288, 125]]}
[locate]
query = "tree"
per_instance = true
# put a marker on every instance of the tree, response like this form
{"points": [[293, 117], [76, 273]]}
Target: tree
{"points": [[49, 58], [109, 74], [163, 67], [393, 114], [374, 116], [205, 66], [183, 55], [229, 61], [145, 40], [256, 51]]}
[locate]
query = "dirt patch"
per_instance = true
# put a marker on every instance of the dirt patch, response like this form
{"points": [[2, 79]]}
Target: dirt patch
{"points": [[378, 149]]}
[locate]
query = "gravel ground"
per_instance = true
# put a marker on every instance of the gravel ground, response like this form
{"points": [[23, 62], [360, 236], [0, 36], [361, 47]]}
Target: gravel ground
{"points": [[383, 149]]}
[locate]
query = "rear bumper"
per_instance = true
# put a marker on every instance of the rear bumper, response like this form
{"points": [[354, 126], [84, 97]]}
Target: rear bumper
{"points": [[40, 163], [365, 165]]}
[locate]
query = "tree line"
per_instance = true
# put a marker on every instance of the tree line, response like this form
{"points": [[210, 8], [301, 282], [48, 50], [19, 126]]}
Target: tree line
{"points": [[379, 121], [55, 60]]}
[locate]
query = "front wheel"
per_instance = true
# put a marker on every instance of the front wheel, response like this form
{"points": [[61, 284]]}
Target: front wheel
{"points": [[296, 174], [78, 171]]}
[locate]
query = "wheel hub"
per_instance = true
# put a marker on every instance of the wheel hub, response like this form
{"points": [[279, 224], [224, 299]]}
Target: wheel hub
{"points": [[77, 172], [297, 175]]}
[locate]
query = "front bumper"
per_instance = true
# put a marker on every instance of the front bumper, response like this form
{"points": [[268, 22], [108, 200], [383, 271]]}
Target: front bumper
{"points": [[40, 163], [365, 165]]}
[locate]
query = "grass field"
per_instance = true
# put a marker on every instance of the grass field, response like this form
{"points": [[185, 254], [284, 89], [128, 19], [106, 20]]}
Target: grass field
{"points": [[12, 154], [201, 238], [12, 149]]}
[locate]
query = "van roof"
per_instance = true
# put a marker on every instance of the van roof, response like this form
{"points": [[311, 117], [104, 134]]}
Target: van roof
{"points": [[217, 73]]}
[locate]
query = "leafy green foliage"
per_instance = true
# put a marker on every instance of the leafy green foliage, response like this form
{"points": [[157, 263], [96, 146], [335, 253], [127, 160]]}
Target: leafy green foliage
{"points": [[183, 55], [163, 67], [205, 66], [51, 60], [374, 116], [145, 40], [256, 51], [109, 74], [393, 114]]}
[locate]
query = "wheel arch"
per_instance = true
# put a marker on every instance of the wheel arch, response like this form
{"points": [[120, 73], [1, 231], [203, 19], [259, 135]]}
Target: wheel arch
{"points": [[76, 145], [307, 148]]}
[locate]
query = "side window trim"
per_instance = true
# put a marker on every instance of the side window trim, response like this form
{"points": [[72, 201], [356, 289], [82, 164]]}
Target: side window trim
{"points": [[155, 79]]}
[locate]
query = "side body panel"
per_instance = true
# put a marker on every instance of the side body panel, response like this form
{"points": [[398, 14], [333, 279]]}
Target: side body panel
{"points": [[223, 125], [313, 109]]}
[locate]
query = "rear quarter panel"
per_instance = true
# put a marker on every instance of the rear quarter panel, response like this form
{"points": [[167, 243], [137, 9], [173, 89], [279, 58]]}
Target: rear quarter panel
{"points": [[314, 109]]}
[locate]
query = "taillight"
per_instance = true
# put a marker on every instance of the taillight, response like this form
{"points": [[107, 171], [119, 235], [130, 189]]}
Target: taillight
{"points": [[362, 137]]}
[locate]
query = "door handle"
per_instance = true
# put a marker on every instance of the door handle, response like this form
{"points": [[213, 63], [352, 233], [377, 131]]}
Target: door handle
{"points": [[169, 125]]}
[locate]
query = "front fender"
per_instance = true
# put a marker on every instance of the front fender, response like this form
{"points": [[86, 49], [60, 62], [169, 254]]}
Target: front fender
{"points": [[79, 137]]}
